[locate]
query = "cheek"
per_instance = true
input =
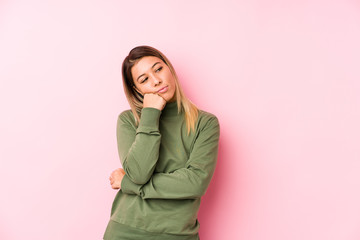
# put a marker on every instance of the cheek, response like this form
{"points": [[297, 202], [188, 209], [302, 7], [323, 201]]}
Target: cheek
{"points": [[144, 88], [173, 89], [171, 80]]}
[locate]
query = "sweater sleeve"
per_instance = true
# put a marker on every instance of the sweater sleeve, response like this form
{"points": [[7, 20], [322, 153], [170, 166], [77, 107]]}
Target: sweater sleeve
{"points": [[189, 182], [139, 148]]}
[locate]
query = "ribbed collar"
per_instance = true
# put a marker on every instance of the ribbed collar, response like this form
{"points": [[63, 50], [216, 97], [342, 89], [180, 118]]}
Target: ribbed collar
{"points": [[170, 110]]}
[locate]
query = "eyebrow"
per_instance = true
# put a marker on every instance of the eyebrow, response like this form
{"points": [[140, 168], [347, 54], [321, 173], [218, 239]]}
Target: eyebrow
{"points": [[144, 73]]}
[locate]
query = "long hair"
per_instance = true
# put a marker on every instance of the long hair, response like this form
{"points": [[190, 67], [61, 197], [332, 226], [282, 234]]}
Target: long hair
{"points": [[135, 99]]}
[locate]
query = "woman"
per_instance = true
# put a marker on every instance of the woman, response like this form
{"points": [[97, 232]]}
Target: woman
{"points": [[168, 150]]}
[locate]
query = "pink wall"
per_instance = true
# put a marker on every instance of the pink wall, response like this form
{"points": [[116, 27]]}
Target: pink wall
{"points": [[283, 77]]}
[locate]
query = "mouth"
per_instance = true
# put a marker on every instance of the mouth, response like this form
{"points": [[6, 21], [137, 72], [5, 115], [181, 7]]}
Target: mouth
{"points": [[162, 90]]}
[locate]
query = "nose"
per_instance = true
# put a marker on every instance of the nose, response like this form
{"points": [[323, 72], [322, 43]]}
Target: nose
{"points": [[156, 80]]}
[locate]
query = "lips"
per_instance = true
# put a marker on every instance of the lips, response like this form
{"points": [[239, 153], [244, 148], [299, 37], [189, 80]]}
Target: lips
{"points": [[162, 90]]}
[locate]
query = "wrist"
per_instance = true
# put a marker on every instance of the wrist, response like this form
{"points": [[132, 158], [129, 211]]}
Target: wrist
{"points": [[149, 119]]}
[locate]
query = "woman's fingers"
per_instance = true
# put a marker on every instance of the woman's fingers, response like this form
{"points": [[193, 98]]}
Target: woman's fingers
{"points": [[116, 177], [154, 100], [115, 185]]}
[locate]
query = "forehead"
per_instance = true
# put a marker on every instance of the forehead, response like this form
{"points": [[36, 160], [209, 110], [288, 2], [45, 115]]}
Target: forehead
{"points": [[144, 64]]}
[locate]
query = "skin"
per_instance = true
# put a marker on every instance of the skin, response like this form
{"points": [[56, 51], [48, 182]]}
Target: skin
{"points": [[150, 75]]}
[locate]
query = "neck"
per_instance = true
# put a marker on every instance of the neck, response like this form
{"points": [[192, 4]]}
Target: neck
{"points": [[170, 109]]}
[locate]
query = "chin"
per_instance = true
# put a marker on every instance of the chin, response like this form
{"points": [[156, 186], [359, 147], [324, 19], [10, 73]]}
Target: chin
{"points": [[172, 99], [169, 97]]}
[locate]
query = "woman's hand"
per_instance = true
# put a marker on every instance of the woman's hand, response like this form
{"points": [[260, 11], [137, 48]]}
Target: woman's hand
{"points": [[154, 100], [116, 178]]}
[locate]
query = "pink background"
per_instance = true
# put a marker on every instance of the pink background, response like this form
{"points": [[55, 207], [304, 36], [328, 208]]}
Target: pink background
{"points": [[283, 77]]}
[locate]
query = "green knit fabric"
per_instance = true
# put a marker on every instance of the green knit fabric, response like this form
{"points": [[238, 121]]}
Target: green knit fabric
{"points": [[167, 170]]}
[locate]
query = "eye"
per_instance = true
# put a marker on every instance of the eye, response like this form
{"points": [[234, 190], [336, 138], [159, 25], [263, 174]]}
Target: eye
{"points": [[159, 69], [144, 80]]}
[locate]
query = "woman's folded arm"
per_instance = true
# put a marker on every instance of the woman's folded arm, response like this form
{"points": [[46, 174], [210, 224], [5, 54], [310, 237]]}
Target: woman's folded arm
{"points": [[139, 147]]}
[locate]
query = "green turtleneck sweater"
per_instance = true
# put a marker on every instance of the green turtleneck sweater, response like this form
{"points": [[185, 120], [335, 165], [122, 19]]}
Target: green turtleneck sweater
{"points": [[167, 170]]}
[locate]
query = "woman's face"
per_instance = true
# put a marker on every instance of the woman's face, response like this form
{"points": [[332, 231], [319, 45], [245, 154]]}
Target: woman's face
{"points": [[152, 75]]}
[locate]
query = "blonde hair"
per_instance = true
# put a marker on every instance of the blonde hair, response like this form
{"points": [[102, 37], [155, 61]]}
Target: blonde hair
{"points": [[135, 99]]}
